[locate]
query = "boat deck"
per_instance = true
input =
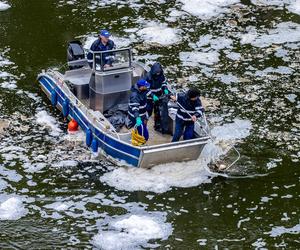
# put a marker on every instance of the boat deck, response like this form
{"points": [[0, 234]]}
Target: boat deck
{"points": [[155, 137]]}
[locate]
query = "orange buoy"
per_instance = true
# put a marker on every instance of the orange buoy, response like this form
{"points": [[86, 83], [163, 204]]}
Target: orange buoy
{"points": [[72, 126]]}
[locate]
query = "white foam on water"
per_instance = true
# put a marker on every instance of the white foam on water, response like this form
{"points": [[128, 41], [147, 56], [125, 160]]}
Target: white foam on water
{"points": [[294, 7], [283, 70], [195, 58], [234, 56], [49, 122], [66, 163], [207, 51], [159, 33], [206, 9], [96, 4], [283, 33], [291, 5], [10, 174], [12, 209], [59, 206], [175, 14], [3, 184], [7, 80], [228, 78], [149, 59], [280, 230], [269, 2], [291, 97], [4, 6], [132, 232], [215, 43], [259, 244], [162, 178]]}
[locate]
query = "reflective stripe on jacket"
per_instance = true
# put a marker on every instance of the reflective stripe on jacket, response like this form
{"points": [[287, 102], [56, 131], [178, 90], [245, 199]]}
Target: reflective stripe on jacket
{"points": [[188, 108], [137, 103], [158, 83]]}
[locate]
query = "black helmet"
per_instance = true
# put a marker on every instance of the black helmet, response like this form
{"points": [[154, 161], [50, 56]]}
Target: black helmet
{"points": [[193, 92]]}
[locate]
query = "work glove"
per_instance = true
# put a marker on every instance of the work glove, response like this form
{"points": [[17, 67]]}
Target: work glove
{"points": [[166, 92], [138, 121], [155, 98]]}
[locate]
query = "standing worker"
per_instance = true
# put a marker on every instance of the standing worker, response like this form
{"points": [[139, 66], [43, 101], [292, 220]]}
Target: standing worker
{"points": [[137, 112], [189, 110], [103, 43], [158, 89]]}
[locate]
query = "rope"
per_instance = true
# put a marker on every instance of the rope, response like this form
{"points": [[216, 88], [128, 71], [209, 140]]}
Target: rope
{"points": [[136, 138]]}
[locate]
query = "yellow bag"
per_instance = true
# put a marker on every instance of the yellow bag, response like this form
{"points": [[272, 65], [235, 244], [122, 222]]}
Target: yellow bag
{"points": [[136, 138]]}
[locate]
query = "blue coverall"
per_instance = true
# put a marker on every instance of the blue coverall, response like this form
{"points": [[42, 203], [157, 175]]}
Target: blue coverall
{"points": [[158, 84], [137, 108], [183, 117]]}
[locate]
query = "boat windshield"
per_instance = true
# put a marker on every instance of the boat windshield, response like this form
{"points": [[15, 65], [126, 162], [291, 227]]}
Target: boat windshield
{"points": [[112, 59]]}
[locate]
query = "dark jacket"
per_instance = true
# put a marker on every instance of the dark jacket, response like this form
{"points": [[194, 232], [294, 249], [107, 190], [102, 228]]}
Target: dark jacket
{"points": [[158, 83], [99, 46], [137, 103], [189, 107]]}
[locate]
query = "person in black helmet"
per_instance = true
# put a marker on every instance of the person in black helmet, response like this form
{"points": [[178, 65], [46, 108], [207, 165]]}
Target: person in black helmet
{"points": [[189, 110]]}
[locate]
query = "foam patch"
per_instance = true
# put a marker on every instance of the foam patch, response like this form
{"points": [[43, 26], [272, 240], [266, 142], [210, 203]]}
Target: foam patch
{"points": [[206, 9], [283, 33], [162, 178], [159, 33], [4, 6], [132, 232], [49, 122], [278, 231], [195, 58], [12, 209]]}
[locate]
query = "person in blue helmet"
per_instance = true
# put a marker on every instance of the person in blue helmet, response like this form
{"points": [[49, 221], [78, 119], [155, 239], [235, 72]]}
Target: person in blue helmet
{"points": [[155, 101], [189, 110], [103, 43], [137, 112]]}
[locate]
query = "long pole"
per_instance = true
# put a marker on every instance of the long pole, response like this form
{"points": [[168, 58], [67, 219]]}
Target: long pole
{"points": [[207, 133], [206, 124]]}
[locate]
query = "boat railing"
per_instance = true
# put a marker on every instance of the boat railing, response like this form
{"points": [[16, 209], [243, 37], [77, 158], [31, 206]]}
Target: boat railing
{"points": [[99, 118]]}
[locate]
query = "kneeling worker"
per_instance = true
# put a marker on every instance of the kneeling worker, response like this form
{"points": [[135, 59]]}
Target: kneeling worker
{"points": [[137, 112], [189, 110]]}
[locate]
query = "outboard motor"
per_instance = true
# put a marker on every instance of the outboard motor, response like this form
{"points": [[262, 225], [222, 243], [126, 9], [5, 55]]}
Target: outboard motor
{"points": [[75, 52]]}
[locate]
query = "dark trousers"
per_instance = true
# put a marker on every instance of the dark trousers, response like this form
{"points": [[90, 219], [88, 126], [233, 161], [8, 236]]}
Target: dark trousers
{"points": [[142, 130], [161, 114], [187, 126]]}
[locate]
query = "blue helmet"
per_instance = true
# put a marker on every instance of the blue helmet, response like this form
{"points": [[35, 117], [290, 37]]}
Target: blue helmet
{"points": [[143, 83], [104, 33]]}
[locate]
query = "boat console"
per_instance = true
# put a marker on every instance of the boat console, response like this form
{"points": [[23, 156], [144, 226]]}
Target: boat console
{"points": [[108, 83]]}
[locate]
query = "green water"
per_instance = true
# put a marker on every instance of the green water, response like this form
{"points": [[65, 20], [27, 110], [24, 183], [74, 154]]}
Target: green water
{"points": [[257, 206]]}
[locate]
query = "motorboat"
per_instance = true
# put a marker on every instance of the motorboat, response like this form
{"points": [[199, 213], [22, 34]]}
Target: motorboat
{"points": [[85, 93]]}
